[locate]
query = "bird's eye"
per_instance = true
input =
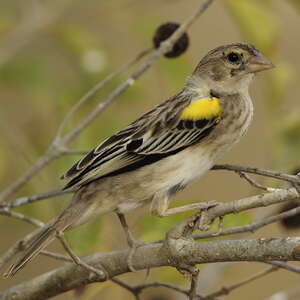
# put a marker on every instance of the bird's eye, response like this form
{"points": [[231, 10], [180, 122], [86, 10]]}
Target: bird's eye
{"points": [[233, 57]]}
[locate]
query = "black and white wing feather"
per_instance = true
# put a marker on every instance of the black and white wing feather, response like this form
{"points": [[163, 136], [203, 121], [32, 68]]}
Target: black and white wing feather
{"points": [[157, 134]]}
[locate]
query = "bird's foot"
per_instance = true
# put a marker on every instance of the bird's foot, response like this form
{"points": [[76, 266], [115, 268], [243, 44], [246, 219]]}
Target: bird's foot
{"points": [[99, 271], [131, 241]]}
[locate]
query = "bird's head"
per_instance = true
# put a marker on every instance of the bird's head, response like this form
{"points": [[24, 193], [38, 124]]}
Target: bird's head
{"points": [[229, 69]]}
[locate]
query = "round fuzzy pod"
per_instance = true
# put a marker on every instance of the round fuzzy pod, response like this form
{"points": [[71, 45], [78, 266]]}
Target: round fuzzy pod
{"points": [[290, 223], [163, 32]]}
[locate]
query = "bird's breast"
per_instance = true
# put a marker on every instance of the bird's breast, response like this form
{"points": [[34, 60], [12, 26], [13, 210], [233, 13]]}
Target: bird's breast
{"points": [[236, 118]]}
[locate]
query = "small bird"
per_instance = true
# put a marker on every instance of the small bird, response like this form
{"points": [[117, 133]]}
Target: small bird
{"points": [[165, 149]]}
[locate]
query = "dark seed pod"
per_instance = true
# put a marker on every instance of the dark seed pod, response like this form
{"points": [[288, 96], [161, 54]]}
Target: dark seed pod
{"points": [[293, 222], [163, 32]]}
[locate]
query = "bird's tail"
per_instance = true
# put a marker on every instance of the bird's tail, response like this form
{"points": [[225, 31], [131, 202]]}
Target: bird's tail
{"points": [[37, 244]]}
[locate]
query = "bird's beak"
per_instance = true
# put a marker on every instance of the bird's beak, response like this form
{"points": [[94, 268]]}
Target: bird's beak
{"points": [[259, 63]]}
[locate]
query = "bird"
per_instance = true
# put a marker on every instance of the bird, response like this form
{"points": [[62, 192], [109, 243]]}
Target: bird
{"points": [[164, 150]]}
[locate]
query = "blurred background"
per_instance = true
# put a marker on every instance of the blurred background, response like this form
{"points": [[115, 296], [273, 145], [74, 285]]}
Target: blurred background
{"points": [[52, 52]]}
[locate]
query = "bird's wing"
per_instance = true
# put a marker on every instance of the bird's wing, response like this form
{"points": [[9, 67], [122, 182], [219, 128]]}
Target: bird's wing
{"points": [[167, 129]]}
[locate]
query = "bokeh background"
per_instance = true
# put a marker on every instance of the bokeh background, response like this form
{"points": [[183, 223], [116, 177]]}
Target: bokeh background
{"points": [[75, 44]]}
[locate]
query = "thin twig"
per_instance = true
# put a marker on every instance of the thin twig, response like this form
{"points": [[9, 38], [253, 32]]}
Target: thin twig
{"points": [[137, 289], [252, 181], [164, 48], [161, 284], [97, 87], [56, 256], [252, 227], [17, 247], [285, 266], [101, 273], [22, 217], [227, 289], [30, 199], [258, 171], [131, 289], [41, 162], [193, 292]]}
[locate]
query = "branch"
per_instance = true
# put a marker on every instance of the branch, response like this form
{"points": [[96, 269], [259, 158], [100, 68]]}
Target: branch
{"points": [[258, 171], [219, 211], [252, 182], [17, 247], [252, 227], [94, 90], [137, 289], [227, 289], [285, 266], [30, 199], [194, 289], [22, 217], [155, 255], [57, 192], [256, 201]]}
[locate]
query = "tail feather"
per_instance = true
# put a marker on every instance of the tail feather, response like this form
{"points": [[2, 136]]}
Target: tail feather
{"points": [[39, 242]]}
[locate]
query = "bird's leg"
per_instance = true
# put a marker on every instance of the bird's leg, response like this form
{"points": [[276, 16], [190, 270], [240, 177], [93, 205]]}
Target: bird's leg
{"points": [[101, 272], [131, 241], [159, 207]]}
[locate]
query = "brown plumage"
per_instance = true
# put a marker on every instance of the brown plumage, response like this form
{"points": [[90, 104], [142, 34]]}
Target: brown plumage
{"points": [[165, 149]]}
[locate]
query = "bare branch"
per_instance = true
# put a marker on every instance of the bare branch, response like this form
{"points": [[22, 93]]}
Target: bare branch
{"points": [[252, 181], [30, 199], [285, 266], [193, 292], [154, 255], [22, 217], [127, 287], [17, 247], [256, 201], [222, 209], [258, 171], [44, 160], [252, 227], [227, 289], [96, 88], [164, 48], [162, 284], [137, 289], [57, 256]]}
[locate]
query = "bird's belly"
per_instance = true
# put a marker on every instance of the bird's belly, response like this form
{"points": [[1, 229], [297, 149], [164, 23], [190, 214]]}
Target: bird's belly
{"points": [[187, 166], [165, 177]]}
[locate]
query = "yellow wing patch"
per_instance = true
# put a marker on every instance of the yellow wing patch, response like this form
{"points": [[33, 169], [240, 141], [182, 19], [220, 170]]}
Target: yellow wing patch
{"points": [[202, 109]]}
